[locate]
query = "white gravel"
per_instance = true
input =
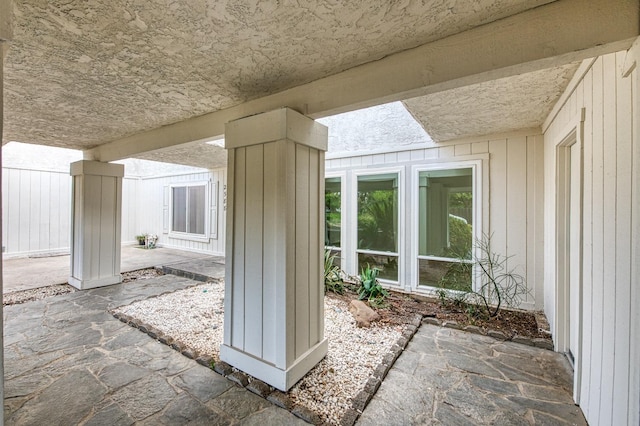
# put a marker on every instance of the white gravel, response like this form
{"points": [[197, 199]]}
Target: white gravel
{"points": [[194, 317]]}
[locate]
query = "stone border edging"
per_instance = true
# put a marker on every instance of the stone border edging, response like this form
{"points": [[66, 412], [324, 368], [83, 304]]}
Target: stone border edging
{"points": [[537, 342], [360, 401], [276, 397]]}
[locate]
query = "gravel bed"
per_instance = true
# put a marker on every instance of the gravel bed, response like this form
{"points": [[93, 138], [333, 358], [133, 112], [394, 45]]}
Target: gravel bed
{"points": [[23, 296], [194, 317]]}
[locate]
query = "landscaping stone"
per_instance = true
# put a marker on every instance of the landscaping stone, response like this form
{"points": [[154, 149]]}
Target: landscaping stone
{"points": [[307, 415], [543, 343], [259, 387], [473, 329], [280, 399], [522, 340], [362, 313], [497, 334], [223, 368], [239, 378], [349, 418], [431, 320]]}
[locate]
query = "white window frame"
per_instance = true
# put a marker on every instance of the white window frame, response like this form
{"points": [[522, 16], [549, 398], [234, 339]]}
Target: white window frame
{"points": [[477, 190], [207, 206], [353, 232], [343, 209]]}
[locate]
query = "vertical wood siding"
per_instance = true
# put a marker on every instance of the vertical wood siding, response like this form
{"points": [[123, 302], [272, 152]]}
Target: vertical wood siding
{"points": [[609, 376], [512, 199], [151, 209], [36, 215]]}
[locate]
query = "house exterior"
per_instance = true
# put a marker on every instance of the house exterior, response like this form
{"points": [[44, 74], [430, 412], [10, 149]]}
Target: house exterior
{"points": [[556, 186]]}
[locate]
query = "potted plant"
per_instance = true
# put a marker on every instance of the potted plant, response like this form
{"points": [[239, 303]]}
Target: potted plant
{"points": [[141, 239]]}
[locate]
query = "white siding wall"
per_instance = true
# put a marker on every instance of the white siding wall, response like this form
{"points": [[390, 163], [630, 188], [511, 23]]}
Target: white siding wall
{"points": [[151, 208], [36, 217], [36, 214], [609, 376], [512, 195]]}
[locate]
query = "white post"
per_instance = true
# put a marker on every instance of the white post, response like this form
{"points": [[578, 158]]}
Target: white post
{"points": [[274, 294], [96, 210], [5, 36]]}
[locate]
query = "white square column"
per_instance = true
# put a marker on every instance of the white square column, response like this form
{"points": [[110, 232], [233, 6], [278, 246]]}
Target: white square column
{"points": [[274, 290], [96, 214]]}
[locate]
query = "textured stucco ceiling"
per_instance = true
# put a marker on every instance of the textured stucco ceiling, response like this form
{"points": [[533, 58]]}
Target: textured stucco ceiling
{"points": [[497, 106], [195, 154], [81, 73]]}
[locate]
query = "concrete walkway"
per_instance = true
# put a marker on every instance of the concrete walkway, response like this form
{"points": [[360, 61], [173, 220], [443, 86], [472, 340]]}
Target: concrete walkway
{"points": [[27, 273]]}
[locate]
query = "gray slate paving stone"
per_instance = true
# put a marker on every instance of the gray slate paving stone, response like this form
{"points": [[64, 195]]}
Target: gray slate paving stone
{"points": [[112, 415], [238, 403], [120, 374], [202, 383], [144, 397], [77, 401], [187, 410]]}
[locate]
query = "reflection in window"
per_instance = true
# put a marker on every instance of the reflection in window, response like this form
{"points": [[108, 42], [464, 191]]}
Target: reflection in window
{"points": [[378, 224], [445, 212], [332, 212], [188, 209]]}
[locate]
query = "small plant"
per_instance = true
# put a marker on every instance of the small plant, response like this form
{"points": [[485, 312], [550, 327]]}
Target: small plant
{"points": [[333, 281], [370, 287], [141, 239], [498, 286]]}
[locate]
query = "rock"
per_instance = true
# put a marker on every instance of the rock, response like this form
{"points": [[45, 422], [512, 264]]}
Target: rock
{"points": [[497, 334], [543, 343], [362, 313], [431, 320]]}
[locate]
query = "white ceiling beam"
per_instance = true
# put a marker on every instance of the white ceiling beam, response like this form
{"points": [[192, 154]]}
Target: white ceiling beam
{"points": [[550, 35]]}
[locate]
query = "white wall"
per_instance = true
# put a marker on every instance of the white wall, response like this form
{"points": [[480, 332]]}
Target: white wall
{"points": [[609, 376], [512, 195], [36, 214], [151, 206]]}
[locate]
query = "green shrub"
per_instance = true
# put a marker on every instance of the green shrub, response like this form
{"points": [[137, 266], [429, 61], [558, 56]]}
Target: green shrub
{"points": [[370, 287], [333, 281]]}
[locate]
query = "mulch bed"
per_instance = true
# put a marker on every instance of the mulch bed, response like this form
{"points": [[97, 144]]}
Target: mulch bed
{"points": [[403, 307]]}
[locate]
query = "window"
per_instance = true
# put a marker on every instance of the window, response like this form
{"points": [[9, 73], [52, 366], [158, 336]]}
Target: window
{"points": [[445, 228], [377, 235], [188, 209], [333, 217]]}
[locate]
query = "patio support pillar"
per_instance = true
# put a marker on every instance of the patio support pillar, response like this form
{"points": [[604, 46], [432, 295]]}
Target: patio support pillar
{"points": [[6, 34], [96, 211], [274, 291]]}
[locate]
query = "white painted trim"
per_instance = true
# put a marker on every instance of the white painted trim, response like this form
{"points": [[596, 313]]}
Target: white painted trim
{"points": [[192, 250], [582, 70], [203, 238], [343, 204], [571, 134], [269, 373], [353, 234], [89, 284], [386, 150], [478, 203], [531, 131]]}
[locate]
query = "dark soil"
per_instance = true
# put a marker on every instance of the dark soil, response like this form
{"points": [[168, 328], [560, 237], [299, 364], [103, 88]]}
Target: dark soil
{"points": [[401, 309]]}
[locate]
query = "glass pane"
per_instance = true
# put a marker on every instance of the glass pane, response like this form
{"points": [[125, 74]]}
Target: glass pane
{"points": [[388, 265], [337, 260], [196, 210], [451, 275], [332, 212], [378, 212], [179, 209], [445, 211]]}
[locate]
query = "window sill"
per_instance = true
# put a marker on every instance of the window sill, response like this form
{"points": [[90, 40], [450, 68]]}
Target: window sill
{"points": [[190, 237]]}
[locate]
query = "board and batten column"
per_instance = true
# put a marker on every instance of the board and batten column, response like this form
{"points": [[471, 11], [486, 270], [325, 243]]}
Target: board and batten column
{"points": [[96, 216], [274, 290]]}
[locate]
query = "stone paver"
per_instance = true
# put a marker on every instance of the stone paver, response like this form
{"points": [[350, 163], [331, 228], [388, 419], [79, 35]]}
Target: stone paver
{"points": [[68, 362], [449, 377]]}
